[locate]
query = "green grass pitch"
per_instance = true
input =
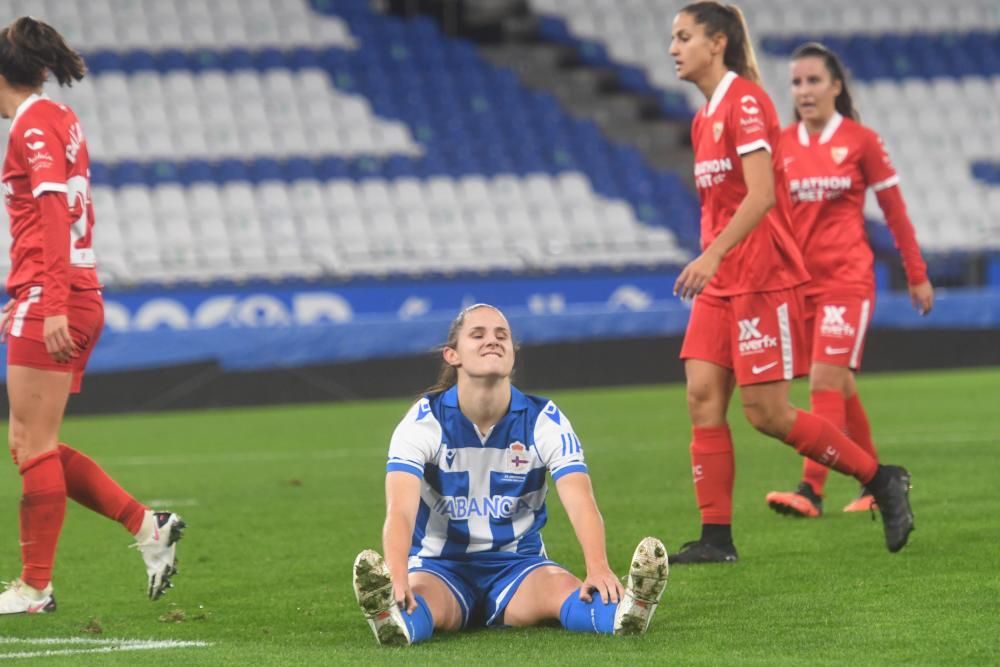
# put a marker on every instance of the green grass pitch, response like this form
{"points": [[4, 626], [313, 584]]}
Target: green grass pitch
{"points": [[279, 500]]}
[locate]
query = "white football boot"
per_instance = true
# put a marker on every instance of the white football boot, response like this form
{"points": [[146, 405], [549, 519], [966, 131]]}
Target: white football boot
{"points": [[157, 541], [647, 577], [20, 598], [373, 588]]}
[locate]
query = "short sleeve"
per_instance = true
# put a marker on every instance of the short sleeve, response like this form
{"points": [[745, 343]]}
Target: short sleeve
{"points": [[415, 441], [558, 446], [44, 155], [748, 123], [876, 165]]}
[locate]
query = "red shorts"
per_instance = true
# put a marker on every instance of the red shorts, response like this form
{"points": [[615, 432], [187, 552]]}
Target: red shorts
{"points": [[838, 324], [26, 344], [759, 336]]}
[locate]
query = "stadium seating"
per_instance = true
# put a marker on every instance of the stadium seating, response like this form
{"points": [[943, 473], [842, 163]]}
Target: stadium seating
{"points": [[296, 143], [934, 96]]}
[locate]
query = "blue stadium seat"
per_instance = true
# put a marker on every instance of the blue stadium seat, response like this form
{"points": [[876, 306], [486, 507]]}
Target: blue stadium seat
{"points": [[230, 170], [196, 171], [236, 59]]}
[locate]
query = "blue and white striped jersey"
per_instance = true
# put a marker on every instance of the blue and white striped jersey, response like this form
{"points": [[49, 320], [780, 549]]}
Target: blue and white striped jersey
{"points": [[483, 494]]}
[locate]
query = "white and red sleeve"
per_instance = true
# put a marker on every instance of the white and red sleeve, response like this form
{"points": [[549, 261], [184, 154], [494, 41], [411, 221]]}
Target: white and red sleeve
{"points": [[45, 163]]}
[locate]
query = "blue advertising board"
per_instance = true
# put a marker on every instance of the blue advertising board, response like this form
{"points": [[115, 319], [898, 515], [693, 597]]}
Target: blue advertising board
{"points": [[274, 326]]}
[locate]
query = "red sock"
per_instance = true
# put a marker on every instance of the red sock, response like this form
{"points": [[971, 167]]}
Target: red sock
{"points": [[43, 506], [89, 485], [820, 440], [713, 466], [858, 427], [830, 406]]}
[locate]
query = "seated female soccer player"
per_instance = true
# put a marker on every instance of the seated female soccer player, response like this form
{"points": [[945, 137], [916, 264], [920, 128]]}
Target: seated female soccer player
{"points": [[465, 501]]}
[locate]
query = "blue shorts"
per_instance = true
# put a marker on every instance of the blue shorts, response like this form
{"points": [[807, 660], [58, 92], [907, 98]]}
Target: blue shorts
{"points": [[483, 585]]}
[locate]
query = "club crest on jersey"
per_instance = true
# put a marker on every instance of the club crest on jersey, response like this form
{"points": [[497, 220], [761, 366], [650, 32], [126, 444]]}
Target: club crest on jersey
{"points": [[838, 153], [518, 458], [717, 130]]}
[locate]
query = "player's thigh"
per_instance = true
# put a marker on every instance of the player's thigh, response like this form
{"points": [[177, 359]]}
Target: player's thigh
{"points": [[540, 596], [37, 401], [444, 606]]}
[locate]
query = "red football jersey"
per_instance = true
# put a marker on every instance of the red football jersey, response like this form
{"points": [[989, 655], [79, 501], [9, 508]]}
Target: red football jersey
{"points": [[739, 119], [828, 175], [47, 156]]}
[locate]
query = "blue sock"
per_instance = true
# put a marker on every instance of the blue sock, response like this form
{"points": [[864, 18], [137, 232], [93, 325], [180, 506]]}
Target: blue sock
{"points": [[579, 616], [420, 623]]}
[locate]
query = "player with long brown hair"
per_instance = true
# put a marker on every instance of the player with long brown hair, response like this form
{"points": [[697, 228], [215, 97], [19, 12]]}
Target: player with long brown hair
{"points": [[831, 160], [54, 319], [746, 324]]}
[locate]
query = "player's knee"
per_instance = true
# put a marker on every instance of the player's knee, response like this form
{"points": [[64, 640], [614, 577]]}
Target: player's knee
{"points": [[24, 444], [704, 405], [16, 435], [828, 378], [767, 418]]}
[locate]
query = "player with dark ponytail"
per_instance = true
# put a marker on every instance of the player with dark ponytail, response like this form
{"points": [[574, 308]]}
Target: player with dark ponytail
{"points": [[746, 326], [831, 161], [54, 318]]}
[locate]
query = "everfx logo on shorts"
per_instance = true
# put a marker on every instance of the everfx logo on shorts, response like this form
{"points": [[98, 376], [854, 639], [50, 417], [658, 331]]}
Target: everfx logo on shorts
{"points": [[834, 324], [751, 340]]}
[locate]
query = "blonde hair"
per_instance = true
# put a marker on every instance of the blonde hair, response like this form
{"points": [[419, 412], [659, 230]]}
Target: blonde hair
{"points": [[730, 21]]}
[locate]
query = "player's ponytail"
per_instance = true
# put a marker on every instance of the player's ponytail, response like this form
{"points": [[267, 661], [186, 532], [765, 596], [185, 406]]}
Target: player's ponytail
{"points": [[29, 48], [729, 20], [844, 102]]}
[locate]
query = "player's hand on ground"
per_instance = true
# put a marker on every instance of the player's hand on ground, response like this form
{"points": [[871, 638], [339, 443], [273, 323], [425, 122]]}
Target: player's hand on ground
{"points": [[403, 594], [5, 320], [696, 275], [604, 582], [58, 341], [922, 297]]}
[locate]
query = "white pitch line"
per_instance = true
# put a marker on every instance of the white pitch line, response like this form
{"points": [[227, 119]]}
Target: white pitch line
{"points": [[170, 502], [100, 646], [244, 457], [58, 640]]}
